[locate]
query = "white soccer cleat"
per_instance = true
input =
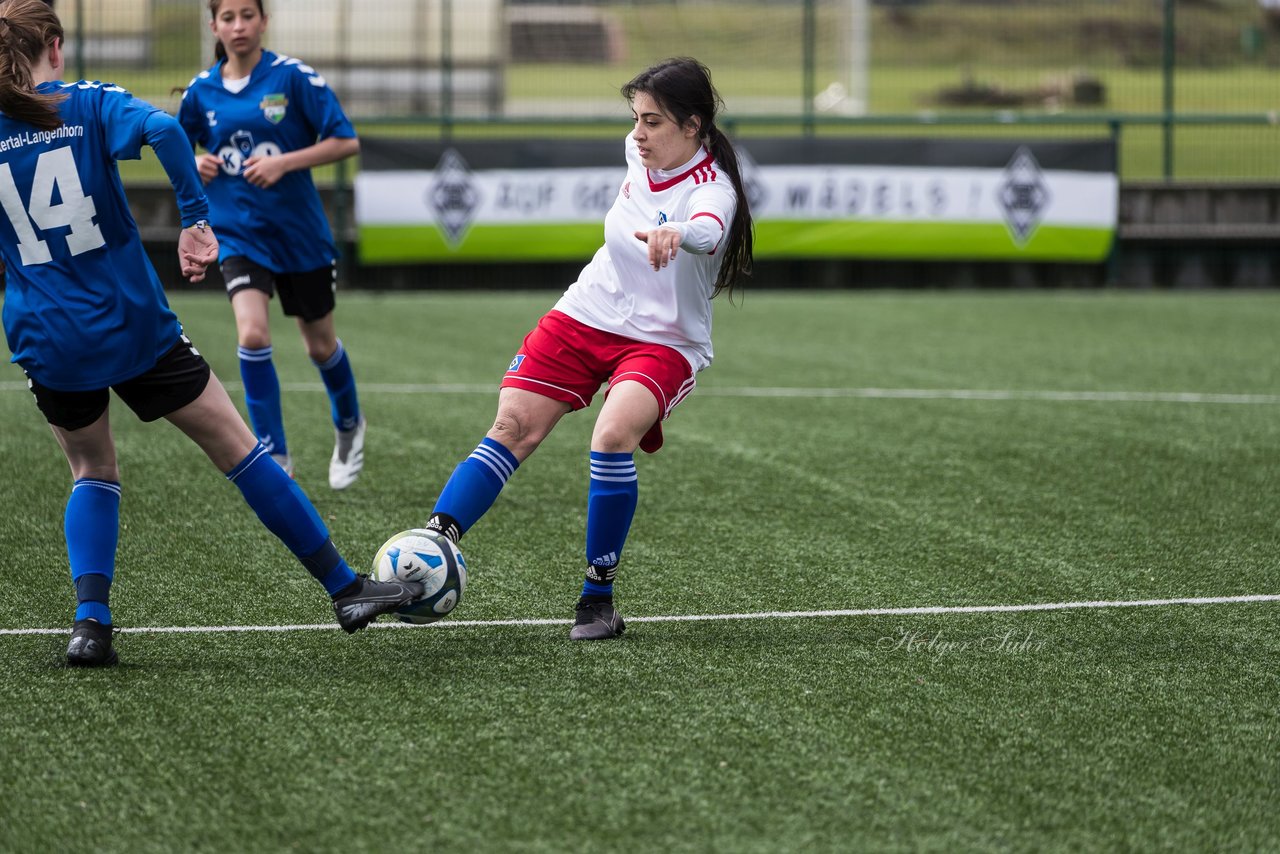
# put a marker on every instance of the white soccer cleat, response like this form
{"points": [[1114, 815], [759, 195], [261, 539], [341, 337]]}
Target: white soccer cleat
{"points": [[348, 456]]}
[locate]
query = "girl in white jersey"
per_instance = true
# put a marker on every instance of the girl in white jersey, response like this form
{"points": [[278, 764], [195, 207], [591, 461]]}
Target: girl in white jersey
{"points": [[638, 318]]}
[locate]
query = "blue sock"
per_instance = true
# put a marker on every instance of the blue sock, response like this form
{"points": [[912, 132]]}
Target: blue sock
{"points": [[611, 503], [344, 405], [92, 528], [287, 512], [472, 488], [262, 398]]}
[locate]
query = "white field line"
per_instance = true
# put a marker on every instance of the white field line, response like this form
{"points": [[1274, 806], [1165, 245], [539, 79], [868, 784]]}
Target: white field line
{"points": [[704, 618], [866, 393]]}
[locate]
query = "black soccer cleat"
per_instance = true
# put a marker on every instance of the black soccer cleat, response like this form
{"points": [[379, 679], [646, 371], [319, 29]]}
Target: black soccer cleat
{"points": [[368, 598], [90, 645], [596, 621]]}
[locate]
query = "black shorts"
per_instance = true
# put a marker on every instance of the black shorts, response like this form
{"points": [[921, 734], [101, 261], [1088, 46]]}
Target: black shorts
{"points": [[308, 295], [177, 378]]}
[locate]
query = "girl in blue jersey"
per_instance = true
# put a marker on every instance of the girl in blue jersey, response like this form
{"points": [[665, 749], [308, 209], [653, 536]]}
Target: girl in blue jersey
{"points": [[84, 312], [265, 120]]}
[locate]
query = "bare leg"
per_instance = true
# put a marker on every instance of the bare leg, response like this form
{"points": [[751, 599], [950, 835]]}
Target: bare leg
{"points": [[628, 413], [524, 419], [319, 336], [213, 423], [253, 320], [90, 451]]}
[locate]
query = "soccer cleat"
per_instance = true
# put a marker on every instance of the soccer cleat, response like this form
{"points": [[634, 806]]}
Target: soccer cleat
{"points": [[348, 456], [596, 621], [90, 645], [369, 598], [285, 461]]}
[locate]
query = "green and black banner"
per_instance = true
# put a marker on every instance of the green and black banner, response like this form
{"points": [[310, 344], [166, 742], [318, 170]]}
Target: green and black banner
{"points": [[926, 199]]}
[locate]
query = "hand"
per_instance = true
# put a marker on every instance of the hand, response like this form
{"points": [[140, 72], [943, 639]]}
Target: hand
{"points": [[663, 243], [207, 165], [197, 249], [264, 171]]}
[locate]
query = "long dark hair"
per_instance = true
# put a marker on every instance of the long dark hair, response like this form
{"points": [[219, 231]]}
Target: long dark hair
{"points": [[219, 49], [682, 89], [27, 28]]}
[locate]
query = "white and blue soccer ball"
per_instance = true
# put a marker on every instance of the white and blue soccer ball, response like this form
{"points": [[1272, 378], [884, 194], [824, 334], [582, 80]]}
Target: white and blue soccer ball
{"points": [[431, 558]]}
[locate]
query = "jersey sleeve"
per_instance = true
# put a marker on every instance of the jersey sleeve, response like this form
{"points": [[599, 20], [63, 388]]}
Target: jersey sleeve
{"points": [[124, 118], [166, 138], [711, 210], [320, 105], [190, 116]]}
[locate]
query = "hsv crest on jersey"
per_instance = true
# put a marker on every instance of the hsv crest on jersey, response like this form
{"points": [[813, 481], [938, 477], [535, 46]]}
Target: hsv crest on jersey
{"points": [[273, 107], [515, 363]]}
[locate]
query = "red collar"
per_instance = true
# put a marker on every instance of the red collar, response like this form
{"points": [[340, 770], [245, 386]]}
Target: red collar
{"points": [[671, 182]]}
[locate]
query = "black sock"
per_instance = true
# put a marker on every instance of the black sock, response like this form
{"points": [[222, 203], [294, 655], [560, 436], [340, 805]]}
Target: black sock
{"points": [[445, 524]]}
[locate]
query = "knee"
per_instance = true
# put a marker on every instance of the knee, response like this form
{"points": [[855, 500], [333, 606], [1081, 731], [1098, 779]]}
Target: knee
{"points": [[516, 434], [613, 437], [321, 352], [254, 336]]}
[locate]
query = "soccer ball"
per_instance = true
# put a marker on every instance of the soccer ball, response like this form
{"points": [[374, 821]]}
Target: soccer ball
{"points": [[429, 557]]}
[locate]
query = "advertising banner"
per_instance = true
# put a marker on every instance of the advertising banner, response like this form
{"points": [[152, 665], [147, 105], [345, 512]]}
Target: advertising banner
{"points": [[925, 199]]}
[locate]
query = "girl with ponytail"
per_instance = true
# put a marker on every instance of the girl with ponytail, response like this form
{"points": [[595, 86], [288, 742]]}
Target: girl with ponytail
{"points": [[85, 315], [638, 320]]}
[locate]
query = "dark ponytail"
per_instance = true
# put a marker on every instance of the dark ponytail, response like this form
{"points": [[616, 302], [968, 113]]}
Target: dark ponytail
{"points": [[738, 253], [27, 29], [682, 88]]}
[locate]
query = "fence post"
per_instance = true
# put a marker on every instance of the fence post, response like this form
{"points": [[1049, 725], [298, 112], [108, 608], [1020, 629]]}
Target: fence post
{"points": [[809, 49], [446, 65], [341, 214], [1170, 60], [1112, 275], [79, 39]]}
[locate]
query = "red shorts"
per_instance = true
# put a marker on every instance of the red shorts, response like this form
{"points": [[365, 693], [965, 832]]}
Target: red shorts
{"points": [[568, 361]]}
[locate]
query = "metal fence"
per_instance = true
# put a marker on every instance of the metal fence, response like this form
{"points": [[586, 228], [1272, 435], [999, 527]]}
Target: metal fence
{"points": [[1189, 88]]}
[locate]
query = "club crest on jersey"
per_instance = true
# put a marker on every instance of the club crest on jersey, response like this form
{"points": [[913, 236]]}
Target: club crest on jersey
{"points": [[662, 217], [242, 141], [515, 364], [273, 107]]}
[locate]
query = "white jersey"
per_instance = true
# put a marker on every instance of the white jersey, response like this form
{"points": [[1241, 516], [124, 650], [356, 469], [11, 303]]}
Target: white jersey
{"points": [[620, 292]]}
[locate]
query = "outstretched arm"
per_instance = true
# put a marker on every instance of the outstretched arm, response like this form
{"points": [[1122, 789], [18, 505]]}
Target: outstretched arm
{"points": [[701, 235]]}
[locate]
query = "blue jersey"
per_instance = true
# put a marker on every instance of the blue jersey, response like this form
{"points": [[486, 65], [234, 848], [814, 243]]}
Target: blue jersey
{"points": [[83, 308], [286, 106]]}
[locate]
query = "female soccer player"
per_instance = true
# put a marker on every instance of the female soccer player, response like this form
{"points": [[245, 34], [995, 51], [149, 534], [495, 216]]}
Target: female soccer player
{"points": [[84, 312], [266, 120], [638, 318]]}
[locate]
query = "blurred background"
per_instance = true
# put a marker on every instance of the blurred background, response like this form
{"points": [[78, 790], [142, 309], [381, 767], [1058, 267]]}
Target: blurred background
{"points": [[1187, 89]]}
